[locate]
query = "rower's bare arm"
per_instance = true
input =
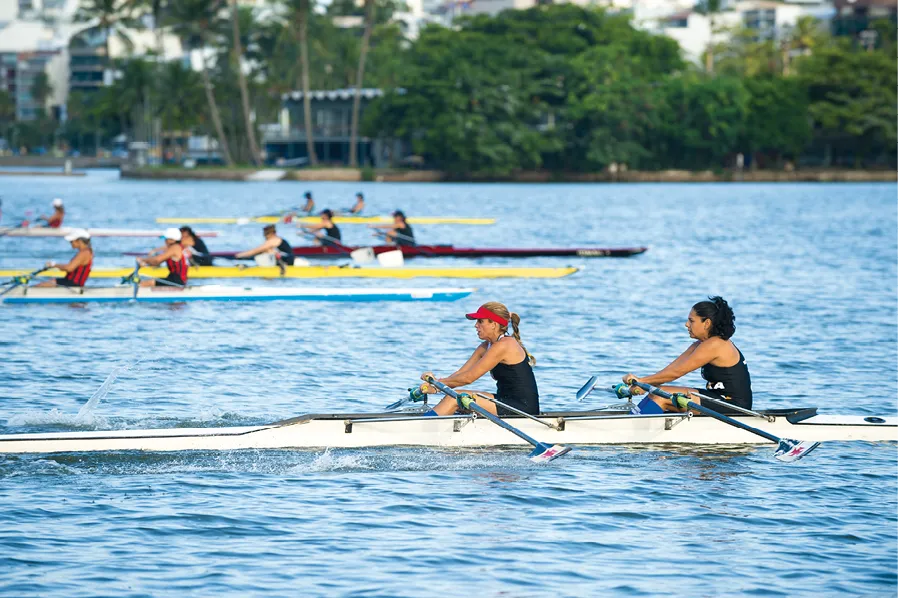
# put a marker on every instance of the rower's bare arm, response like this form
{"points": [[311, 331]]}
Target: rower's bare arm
{"points": [[254, 251], [155, 260], [76, 262], [491, 357], [692, 359]]}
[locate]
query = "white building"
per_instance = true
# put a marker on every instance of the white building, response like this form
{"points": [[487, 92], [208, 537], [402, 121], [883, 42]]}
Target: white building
{"points": [[772, 20]]}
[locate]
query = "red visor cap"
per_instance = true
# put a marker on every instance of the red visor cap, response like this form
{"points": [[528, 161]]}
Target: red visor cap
{"points": [[484, 314]]}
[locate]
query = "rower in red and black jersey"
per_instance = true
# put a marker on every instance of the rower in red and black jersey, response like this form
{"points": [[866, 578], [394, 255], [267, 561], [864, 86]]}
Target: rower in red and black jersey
{"points": [[174, 259], [78, 269], [54, 220], [273, 245], [503, 356], [712, 324]]}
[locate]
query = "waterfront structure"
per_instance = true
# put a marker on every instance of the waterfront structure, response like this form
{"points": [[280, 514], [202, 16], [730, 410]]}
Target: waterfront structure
{"points": [[331, 122]]}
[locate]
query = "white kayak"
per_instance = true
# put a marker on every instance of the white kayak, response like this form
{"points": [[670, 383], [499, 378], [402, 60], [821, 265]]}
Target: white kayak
{"points": [[356, 430]]}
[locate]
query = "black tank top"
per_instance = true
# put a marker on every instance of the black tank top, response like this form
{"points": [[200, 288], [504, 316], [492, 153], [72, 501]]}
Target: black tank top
{"points": [[404, 232], [334, 233], [201, 255], [516, 385], [285, 252], [733, 381]]}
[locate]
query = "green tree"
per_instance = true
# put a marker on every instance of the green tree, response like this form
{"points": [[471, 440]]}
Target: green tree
{"points": [[777, 125], [852, 98], [195, 22], [359, 83], [110, 17], [41, 90], [237, 56]]}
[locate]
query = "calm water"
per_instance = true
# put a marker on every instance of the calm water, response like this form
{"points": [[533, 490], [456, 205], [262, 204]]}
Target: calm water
{"points": [[809, 269]]}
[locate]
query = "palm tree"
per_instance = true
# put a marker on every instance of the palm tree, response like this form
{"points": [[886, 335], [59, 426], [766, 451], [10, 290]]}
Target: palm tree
{"points": [[241, 79], [193, 21], [41, 89], [709, 8], [110, 17], [359, 80], [300, 11]]}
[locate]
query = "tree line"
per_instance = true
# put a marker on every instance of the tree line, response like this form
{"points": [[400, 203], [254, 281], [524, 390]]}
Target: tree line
{"points": [[555, 87]]}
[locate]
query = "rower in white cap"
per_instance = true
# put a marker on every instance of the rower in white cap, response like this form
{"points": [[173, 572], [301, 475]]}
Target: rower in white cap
{"points": [[78, 269], [173, 257], [55, 219]]}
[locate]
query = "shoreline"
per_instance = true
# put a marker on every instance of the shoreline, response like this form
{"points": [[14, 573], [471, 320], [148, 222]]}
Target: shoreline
{"points": [[816, 175]]}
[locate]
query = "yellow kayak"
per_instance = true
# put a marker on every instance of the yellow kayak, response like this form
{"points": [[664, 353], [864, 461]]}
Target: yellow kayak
{"points": [[337, 219], [323, 272]]}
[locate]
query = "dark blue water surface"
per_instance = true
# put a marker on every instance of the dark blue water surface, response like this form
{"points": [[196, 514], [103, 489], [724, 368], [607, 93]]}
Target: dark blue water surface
{"points": [[809, 269]]}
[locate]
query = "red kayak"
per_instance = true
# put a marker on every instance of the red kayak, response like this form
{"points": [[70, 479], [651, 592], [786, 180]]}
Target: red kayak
{"points": [[451, 251]]}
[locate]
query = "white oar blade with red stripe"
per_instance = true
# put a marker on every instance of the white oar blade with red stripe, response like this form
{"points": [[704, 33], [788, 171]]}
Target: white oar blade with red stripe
{"points": [[793, 450], [545, 453]]}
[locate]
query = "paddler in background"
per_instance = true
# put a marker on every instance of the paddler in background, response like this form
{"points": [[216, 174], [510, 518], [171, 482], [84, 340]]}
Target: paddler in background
{"points": [[309, 206], [194, 248], [273, 245], [399, 233], [327, 234], [711, 323], [358, 206], [55, 219], [500, 354], [173, 257], [78, 268]]}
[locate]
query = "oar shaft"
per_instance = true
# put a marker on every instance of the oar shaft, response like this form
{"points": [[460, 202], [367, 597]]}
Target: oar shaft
{"points": [[478, 409], [719, 416]]}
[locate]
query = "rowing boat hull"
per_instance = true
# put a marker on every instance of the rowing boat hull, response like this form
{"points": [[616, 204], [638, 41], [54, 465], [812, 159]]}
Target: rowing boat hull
{"points": [[381, 430], [460, 252], [324, 272], [125, 294], [337, 219], [94, 232]]}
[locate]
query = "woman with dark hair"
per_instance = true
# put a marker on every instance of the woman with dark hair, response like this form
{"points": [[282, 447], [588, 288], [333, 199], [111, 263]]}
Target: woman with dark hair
{"points": [[195, 249], [712, 324]]}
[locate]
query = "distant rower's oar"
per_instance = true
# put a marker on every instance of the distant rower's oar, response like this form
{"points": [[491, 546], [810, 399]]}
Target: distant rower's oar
{"points": [[331, 242], [787, 450], [20, 280], [542, 453]]}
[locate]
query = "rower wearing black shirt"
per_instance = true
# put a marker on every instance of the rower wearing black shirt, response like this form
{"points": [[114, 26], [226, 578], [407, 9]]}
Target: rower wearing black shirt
{"points": [[398, 233], [273, 244], [195, 248], [327, 233]]}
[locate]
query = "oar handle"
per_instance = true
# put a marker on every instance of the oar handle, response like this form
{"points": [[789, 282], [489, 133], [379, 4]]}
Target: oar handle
{"points": [[464, 401]]}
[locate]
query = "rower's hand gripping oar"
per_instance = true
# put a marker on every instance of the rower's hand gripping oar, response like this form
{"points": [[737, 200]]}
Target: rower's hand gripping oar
{"points": [[787, 450], [542, 453]]}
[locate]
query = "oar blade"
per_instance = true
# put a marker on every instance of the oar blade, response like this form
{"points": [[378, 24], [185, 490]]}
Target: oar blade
{"points": [[793, 450], [396, 405], [587, 388], [544, 453]]}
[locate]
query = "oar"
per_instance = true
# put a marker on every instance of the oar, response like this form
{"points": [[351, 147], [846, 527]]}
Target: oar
{"points": [[133, 279], [542, 453], [20, 280], [415, 395], [787, 450]]}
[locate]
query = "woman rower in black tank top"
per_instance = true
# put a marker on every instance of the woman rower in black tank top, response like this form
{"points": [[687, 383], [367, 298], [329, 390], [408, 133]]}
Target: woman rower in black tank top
{"points": [[711, 324], [501, 355]]}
